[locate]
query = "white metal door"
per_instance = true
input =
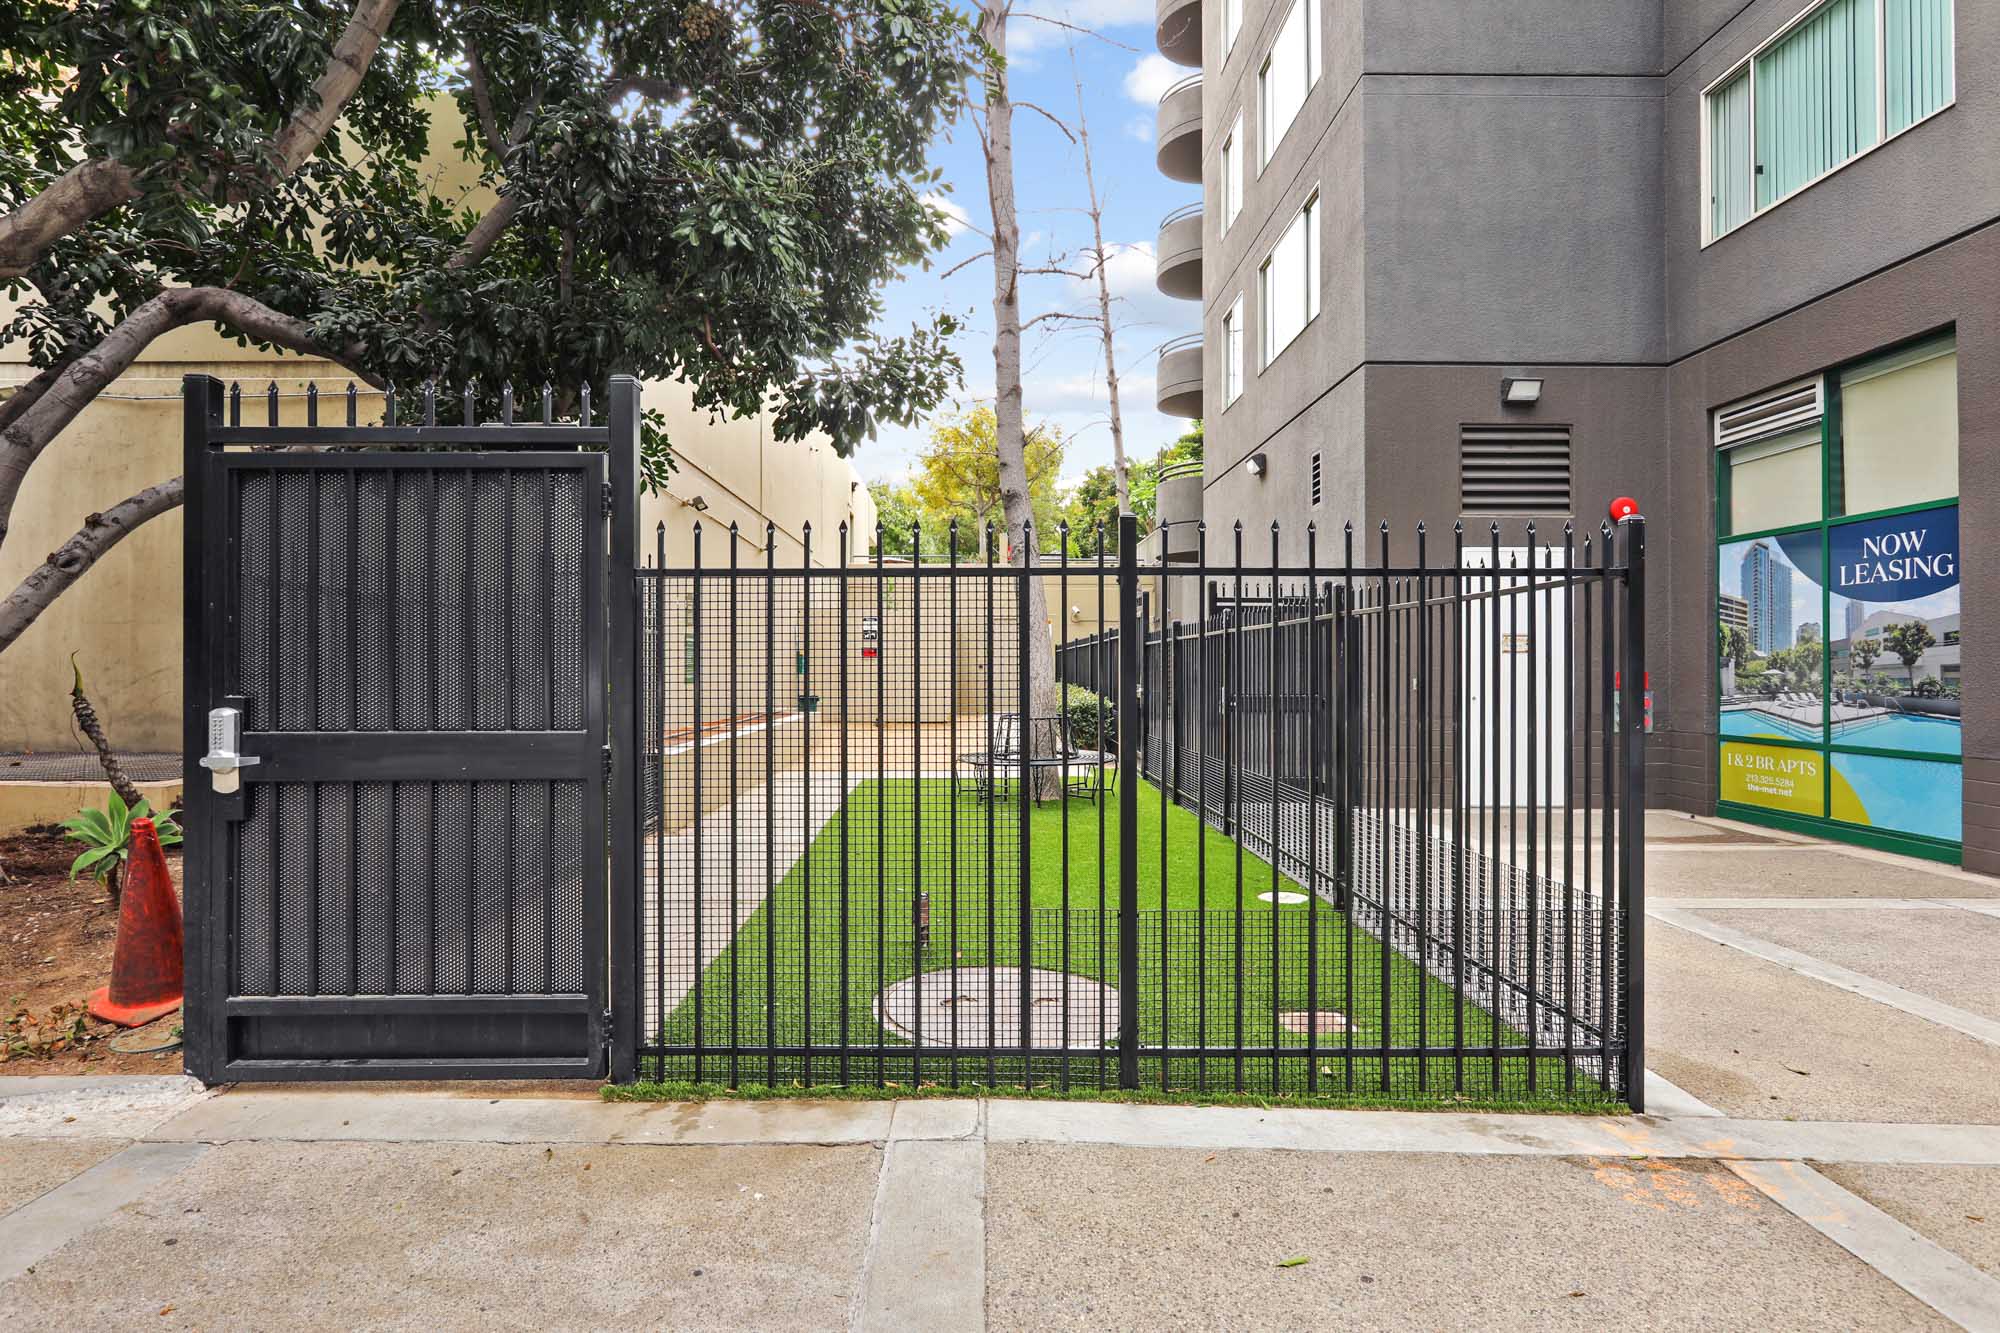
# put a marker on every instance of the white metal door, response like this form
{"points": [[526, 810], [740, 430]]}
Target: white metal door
{"points": [[1516, 662]]}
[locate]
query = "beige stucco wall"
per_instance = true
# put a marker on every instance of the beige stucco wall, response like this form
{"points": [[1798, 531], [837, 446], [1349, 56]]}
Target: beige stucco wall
{"points": [[123, 618]]}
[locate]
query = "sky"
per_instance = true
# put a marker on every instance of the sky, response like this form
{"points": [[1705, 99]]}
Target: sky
{"points": [[1062, 368]]}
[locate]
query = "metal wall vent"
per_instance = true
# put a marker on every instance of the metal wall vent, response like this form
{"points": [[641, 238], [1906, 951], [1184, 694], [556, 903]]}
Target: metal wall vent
{"points": [[1315, 481], [1514, 470], [1773, 414]]}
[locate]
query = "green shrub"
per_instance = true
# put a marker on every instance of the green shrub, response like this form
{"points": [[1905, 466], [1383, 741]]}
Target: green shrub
{"points": [[1081, 707]]}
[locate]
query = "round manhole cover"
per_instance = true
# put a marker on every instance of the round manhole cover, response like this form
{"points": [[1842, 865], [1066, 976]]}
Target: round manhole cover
{"points": [[1283, 897], [986, 1004]]}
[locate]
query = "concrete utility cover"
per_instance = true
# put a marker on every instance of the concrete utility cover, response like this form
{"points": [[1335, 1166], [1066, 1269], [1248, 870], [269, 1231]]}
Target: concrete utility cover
{"points": [[1284, 897], [964, 992], [1301, 1021]]}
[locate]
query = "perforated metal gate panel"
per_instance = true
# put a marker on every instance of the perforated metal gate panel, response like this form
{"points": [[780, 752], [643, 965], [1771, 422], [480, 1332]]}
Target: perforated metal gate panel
{"points": [[411, 879]]}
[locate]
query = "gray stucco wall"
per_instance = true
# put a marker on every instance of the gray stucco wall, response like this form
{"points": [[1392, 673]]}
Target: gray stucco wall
{"points": [[1513, 218], [1514, 36]]}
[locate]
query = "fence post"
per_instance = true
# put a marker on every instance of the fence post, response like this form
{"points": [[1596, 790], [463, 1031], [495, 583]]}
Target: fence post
{"points": [[622, 599], [1632, 809], [204, 952], [1130, 635]]}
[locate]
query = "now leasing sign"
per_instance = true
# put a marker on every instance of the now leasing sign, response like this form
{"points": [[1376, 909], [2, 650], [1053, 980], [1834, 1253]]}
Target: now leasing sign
{"points": [[1896, 559]]}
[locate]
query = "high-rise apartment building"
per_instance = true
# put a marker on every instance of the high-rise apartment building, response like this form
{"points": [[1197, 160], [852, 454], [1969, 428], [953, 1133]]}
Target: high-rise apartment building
{"points": [[1464, 259]]}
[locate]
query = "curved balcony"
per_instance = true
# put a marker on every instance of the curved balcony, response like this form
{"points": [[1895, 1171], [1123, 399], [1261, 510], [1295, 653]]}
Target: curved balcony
{"points": [[1177, 389], [1177, 255], [1177, 30], [1179, 137]]}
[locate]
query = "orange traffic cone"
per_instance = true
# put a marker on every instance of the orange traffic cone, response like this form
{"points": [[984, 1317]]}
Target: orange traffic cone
{"points": [[146, 977]]}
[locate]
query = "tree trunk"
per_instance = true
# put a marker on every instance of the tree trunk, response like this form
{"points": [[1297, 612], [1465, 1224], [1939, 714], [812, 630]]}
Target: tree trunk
{"points": [[1011, 434]]}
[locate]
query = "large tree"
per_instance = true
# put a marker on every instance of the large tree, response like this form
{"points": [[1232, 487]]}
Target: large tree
{"points": [[959, 476], [713, 191]]}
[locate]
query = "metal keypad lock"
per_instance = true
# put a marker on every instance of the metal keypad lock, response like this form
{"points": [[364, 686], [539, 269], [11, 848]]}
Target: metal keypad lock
{"points": [[224, 760]]}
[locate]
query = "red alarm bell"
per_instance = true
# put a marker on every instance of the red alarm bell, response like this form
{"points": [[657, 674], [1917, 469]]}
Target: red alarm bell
{"points": [[1623, 507]]}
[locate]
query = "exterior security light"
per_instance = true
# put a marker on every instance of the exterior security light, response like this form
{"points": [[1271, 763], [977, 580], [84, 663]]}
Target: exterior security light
{"points": [[1520, 392], [699, 504], [1256, 465]]}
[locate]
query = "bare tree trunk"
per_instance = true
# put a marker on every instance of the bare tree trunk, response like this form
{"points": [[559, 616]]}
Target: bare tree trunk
{"points": [[1011, 433], [1118, 471]]}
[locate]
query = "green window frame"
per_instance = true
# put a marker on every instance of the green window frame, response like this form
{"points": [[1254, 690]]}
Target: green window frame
{"points": [[1831, 518], [1840, 79]]}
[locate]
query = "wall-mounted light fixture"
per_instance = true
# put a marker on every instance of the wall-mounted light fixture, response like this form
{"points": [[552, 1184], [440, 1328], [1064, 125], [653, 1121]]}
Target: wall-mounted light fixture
{"points": [[1256, 465], [699, 504], [1522, 392]]}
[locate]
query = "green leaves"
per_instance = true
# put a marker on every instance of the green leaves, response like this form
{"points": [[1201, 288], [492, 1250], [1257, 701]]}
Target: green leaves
{"points": [[697, 191], [107, 835]]}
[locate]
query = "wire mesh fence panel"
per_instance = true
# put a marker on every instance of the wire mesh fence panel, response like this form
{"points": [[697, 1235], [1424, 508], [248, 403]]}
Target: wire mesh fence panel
{"points": [[1360, 831]]}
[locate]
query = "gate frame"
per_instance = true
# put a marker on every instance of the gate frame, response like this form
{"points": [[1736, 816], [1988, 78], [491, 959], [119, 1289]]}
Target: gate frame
{"points": [[205, 647]]}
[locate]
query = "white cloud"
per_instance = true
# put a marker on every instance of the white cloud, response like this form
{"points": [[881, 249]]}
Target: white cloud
{"points": [[1151, 77], [957, 220], [1143, 128]]}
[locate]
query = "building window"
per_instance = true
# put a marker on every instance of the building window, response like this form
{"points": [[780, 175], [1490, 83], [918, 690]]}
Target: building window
{"points": [[1841, 78], [1232, 174], [1315, 482], [1288, 74], [1232, 23], [1232, 353], [1288, 282], [1838, 613]]}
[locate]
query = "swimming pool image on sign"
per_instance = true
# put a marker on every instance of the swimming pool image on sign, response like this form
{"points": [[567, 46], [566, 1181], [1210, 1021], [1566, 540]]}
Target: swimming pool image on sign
{"points": [[1879, 730]]}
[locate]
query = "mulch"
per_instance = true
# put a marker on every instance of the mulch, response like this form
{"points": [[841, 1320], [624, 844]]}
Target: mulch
{"points": [[56, 939]]}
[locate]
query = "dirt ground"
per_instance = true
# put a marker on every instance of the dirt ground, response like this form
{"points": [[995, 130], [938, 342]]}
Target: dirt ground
{"points": [[55, 948]]}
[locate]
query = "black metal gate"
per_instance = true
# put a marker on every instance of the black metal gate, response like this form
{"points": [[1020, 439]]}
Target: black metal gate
{"points": [[408, 878]]}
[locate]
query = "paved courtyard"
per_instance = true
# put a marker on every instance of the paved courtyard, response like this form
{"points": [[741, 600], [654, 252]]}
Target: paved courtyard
{"points": [[1823, 1152]]}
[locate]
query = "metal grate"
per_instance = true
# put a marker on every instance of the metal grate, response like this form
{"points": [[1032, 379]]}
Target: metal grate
{"points": [[1514, 469], [411, 599], [1315, 481]]}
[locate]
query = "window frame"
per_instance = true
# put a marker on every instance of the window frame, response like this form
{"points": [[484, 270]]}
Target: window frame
{"points": [[1232, 176], [1232, 352], [1267, 140], [1748, 66], [1232, 25], [1308, 212]]}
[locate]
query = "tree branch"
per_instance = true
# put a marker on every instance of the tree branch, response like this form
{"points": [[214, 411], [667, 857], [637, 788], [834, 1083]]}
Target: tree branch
{"points": [[983, 254], [482, 99], [1048, 117], [81, 380], [352, 55], [87, 190], [26, 395], [70, 561], [94, 187]]}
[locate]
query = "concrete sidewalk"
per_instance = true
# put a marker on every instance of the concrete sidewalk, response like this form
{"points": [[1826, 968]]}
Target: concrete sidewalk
{"points": [[340, 1207], [1824, 1027]]}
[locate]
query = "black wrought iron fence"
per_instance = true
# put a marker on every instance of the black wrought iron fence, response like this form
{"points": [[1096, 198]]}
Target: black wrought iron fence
{"points": [[1368, 829], [1435, 750]]}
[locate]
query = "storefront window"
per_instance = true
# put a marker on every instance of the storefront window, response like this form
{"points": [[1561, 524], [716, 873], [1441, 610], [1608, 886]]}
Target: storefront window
{"points": [[1838, 632], [1899, 429], [1775, 483]]}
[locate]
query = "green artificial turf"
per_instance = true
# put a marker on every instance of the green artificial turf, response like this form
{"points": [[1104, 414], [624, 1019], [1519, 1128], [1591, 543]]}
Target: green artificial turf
{"points": [[894, 839]]}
